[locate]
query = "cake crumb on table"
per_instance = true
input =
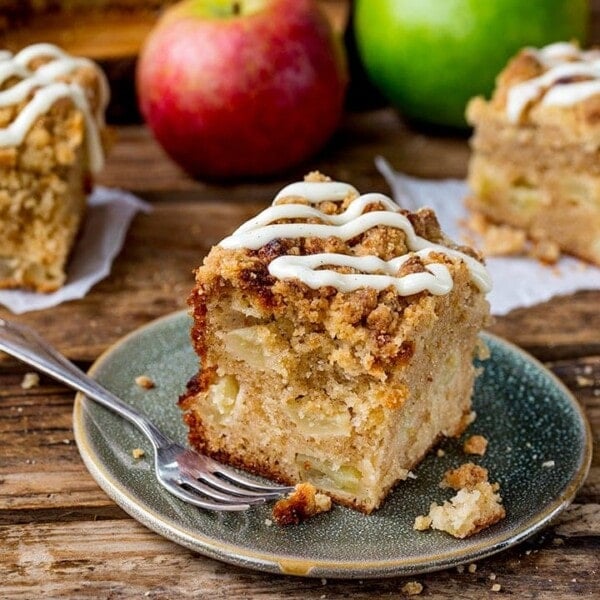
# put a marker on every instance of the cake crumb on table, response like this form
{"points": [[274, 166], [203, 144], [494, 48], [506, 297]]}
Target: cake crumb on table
{"points": [[492, 576], [496, 587], [144, 382], [475, 444], [137, 453], [304, 502], [30, 380], [412, 588], [584, 381], [472, 568]]}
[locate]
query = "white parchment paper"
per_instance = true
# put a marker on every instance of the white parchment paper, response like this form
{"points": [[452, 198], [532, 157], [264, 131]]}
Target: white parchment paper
{"points": [[518, 281], [107, 220]]}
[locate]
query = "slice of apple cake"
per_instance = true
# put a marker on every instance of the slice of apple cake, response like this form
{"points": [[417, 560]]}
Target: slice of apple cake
{"points": [[536, 150], [51, 126], [336, 335]]}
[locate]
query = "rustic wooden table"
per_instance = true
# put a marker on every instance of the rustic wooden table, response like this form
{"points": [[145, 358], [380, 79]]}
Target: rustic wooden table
{"points": [[61, 536]]}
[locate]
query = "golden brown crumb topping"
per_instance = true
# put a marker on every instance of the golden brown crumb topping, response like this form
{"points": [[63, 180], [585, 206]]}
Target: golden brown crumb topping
{"points": [[379, 313], [467, 476]]}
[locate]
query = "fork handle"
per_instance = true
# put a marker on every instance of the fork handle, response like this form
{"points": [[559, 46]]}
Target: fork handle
{"points": [[26, 345]]}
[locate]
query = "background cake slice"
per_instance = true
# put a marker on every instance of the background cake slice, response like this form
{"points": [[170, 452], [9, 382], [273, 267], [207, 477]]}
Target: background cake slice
{"points": [[536, 148], [51, 124], [336, 335]]}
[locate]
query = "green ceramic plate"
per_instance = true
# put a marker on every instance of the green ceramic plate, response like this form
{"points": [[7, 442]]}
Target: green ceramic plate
{"points": [[527, 415]]}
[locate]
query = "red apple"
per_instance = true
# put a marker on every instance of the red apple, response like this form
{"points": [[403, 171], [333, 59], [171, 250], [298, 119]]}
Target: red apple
{"points": [[242, 88]]}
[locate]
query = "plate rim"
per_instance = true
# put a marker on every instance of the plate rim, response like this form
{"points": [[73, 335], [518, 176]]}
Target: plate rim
{"points": [[274, 563]]}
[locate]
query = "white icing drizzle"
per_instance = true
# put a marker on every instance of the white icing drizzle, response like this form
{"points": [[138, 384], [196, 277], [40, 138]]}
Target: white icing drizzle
{"points": [[375, 273], [436, 280], [563, 60], [46, 91], [318, 191], [566, 95], [561, 52]]}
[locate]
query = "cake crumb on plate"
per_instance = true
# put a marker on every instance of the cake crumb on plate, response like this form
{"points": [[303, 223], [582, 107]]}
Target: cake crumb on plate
{"points": [[422, 523], [144, 382], [137, 453], [476, 505], [475, 444]]}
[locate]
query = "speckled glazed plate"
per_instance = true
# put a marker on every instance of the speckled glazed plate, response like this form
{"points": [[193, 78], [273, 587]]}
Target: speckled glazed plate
{"points": [[527, 415]]}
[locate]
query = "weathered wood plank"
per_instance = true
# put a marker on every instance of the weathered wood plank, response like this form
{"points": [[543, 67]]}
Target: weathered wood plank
{"points": [[81, 560]]}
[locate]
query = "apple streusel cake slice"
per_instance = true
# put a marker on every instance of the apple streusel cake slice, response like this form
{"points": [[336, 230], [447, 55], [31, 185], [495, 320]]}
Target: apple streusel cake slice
{"points": [[336, 335]]}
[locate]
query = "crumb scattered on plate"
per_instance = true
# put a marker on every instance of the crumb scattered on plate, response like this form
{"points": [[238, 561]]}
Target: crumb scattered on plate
{"points": [[476, 505], [466, 476], [304, 502], [30, 380], [144, 382], [476, 444], [440, 453], [422, 523], [137, 453]]}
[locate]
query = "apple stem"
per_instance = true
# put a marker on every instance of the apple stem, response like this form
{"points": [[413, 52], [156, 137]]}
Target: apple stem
{"points": [[237, 8]]}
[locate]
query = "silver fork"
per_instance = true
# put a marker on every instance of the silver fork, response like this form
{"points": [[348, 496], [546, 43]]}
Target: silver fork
{"points": [[190, 476]]}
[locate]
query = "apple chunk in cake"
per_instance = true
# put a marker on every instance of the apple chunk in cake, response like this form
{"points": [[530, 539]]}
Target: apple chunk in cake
{"points": [[336, 334]]}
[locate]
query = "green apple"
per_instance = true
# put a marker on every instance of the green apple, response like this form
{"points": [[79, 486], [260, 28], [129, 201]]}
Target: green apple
{"points": [[430, 56]]}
